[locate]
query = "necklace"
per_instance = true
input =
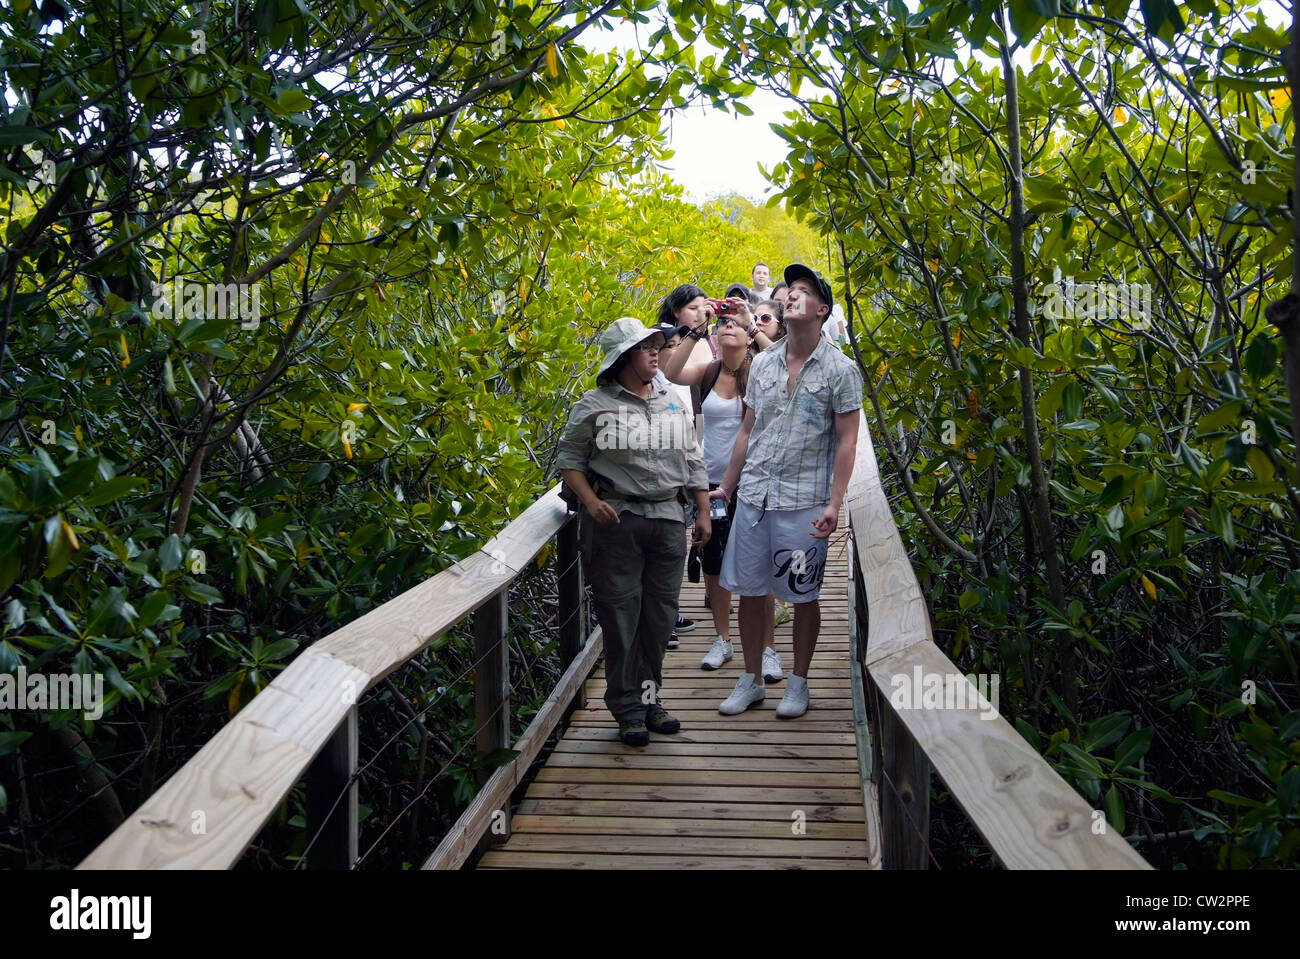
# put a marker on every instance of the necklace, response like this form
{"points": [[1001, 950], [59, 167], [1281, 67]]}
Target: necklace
{"points": [[725, 369]]}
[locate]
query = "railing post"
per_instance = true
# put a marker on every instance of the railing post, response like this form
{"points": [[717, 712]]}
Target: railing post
{"points": [[334, 826], [903, 783], [492, 694], [572, 606]]}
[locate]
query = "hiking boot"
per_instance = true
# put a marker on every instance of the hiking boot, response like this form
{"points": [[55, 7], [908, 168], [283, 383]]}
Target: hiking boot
{"points": [[684, 625], [657, 720], [633, 732], [718, 654]]}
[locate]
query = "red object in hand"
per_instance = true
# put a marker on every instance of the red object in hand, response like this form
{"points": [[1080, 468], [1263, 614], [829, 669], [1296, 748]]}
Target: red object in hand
{"points": [[720, 306]]}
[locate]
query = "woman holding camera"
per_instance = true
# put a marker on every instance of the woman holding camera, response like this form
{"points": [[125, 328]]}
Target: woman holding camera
{"points": [[721, 385], [632, 460]]}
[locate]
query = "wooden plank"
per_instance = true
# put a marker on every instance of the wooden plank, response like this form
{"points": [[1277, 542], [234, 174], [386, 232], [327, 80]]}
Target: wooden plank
{"points": [[456, 845], [533, 860], [799, 796], [666, 747], [748, 721], [782, 813], [1025, 811], [789, 848], [696, 777], [650, 759], [240, 776], [784, 735], [674, 826]]}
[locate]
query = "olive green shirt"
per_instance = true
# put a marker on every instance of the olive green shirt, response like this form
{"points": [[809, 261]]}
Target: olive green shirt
{"points": [[644, 448]]}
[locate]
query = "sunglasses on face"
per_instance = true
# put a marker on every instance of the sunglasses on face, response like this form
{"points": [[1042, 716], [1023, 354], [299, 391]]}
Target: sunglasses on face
{"points": [[724, 320], [648, 345], [766, 318]]}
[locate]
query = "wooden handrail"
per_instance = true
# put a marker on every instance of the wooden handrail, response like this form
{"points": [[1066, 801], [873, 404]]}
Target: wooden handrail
{"points": [[207, 814], [1030, 817]]}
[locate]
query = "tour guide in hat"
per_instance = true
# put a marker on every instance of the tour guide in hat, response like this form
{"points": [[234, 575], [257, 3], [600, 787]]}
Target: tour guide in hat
{"points": [[633, 461]]}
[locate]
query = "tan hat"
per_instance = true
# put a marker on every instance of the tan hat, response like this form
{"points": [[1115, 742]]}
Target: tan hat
{"points": [[619, 337]]}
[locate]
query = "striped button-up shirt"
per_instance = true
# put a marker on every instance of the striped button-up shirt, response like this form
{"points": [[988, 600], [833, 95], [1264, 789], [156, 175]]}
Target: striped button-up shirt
{"points": [[791, 452], [645, 448]]}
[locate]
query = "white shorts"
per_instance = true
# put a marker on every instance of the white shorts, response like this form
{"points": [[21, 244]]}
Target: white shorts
{"points": [[774, 551]]}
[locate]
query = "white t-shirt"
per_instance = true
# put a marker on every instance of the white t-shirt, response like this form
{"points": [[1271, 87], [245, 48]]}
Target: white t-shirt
{"points": [[831, 328], [721, 425]]}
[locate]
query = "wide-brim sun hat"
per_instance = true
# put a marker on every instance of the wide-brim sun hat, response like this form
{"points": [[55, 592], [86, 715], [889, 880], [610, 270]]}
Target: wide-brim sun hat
{"points": [[619, 337], [797, 271]]}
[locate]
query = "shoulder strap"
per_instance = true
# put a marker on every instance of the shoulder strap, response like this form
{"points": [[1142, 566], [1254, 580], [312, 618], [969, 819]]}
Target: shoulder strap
{"points": [[711, 374]]}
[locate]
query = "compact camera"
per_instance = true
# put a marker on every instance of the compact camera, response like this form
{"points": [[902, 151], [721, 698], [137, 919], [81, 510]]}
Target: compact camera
{"points": [[717, 509], [720, 306]]}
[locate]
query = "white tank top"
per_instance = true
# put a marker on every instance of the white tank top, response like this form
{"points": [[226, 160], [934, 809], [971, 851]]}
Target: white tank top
{"points": [[721, 425]]}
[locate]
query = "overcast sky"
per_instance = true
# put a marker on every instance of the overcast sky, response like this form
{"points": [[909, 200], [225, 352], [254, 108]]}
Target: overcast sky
{"points": [[700, 162]]}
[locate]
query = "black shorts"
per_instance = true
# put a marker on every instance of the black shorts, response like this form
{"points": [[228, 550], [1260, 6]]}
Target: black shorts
{"points": [[711, 555]]}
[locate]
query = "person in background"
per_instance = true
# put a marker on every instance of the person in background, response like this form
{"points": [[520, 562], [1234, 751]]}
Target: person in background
{"points": [[790, 471], [835, 328], [780, 292], [688, 307], [769, 314], [739, 289], [679, 398], [632, 491], [758, 278], [721, 385]]}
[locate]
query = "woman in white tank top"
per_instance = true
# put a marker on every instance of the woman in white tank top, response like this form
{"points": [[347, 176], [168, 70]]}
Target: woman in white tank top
{"points": [[722, 384]]}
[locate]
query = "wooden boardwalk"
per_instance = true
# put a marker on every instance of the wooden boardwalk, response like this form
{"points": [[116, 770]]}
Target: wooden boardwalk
{"points": [[727, 792]]}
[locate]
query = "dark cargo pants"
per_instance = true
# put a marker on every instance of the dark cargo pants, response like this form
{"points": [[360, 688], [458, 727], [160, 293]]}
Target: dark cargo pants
{"points": [[635, 570]]}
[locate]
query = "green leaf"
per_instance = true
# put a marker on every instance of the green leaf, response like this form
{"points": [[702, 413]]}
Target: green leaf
{"points": [[1135, 746], [1115, 808], [170, 554]]}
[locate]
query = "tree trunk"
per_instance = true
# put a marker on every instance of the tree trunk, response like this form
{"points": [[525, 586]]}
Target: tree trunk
{"points": [[1040, 497]]}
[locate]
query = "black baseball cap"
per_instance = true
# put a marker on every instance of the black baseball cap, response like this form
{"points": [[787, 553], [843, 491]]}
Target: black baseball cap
{"points": [[797, 271], [737, 289], [669, 330]]}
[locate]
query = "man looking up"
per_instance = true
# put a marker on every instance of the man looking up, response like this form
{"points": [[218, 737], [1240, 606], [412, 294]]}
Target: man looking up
{"points": [[790, 470]]}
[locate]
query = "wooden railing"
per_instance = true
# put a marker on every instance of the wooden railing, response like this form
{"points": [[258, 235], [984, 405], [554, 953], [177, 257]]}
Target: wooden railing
{"points": [[304, 724], [1029, 816]]}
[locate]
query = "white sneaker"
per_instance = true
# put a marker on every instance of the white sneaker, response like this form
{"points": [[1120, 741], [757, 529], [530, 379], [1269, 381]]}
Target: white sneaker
{"points": [[795, 701], [746, 694], [772, 666], [719, 653]]}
